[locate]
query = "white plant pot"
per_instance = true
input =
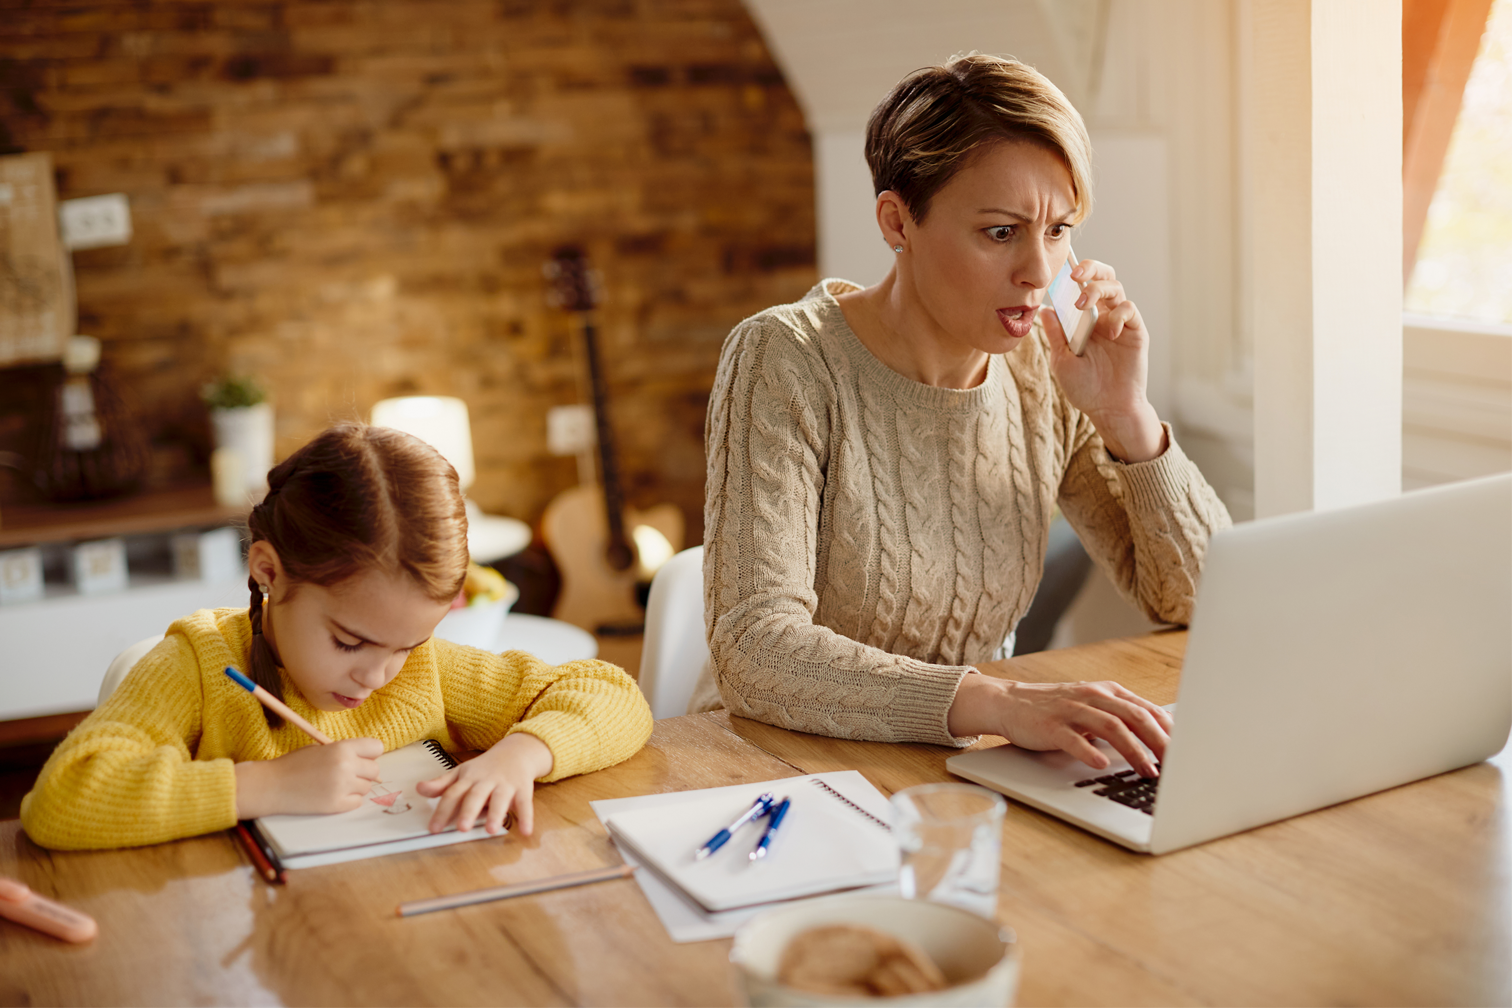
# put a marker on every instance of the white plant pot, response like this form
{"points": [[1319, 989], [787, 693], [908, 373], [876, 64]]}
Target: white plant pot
{"points": [[248, 433]]}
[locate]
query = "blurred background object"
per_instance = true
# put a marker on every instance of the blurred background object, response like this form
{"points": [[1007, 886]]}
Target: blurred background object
{"points": [[93, 448], [607, 553], [36, 286], [242, 420]]}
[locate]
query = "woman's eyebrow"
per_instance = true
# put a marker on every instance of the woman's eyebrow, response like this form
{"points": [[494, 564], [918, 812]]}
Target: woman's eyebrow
{"points": [[1065, 218]]}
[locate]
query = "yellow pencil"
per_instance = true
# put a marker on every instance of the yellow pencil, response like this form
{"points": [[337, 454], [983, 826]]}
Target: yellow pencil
{"points": [[522, 889]]}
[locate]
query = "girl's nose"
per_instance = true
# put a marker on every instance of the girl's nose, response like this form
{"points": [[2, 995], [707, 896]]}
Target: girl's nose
{"points": [[372, 676]]}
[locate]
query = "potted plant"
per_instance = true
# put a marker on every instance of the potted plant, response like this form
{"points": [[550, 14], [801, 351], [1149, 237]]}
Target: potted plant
{"points": [[242, 419]]}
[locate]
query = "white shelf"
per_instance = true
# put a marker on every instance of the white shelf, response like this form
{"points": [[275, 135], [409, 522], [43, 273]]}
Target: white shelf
{"points": [[53, 652]]}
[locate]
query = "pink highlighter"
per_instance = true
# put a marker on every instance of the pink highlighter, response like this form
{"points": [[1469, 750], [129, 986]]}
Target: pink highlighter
{"points": [[23, 906]]}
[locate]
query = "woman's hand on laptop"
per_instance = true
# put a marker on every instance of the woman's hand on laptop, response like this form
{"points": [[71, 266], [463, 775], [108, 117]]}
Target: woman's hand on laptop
{"points": [[1066, 716]]}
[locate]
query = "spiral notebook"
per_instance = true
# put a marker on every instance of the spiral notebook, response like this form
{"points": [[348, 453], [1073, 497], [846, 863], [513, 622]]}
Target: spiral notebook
{"points": [[392, 818], [835, 836]]}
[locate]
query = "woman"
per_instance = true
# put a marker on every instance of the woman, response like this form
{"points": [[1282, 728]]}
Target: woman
{"points": [[884, 463]]}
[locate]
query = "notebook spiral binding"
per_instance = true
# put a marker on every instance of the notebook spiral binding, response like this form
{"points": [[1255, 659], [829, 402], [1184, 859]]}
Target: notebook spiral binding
{"points": [[440, 753], [854, 807]]}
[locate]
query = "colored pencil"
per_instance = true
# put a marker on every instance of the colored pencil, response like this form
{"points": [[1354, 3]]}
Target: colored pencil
{"points": [[261, 843], [523, 889], [277, 706], [258, 857]]}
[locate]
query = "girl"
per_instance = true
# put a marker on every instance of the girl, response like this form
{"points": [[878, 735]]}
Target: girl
{"points": [[357, 551]]}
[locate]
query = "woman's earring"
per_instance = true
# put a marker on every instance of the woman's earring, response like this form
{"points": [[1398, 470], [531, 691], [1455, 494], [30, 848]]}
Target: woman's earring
{"points": [[897, 248], [264, 589]]}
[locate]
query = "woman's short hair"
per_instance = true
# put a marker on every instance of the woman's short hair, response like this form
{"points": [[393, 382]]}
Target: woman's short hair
{"points": [[936, 118]]}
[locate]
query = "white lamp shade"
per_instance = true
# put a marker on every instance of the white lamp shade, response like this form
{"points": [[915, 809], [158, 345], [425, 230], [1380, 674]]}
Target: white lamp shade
{"points": [[439, 421]]}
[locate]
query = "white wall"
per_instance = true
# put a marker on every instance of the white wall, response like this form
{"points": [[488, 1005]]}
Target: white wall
{"points": [[1321, 128], [1131, 230]]}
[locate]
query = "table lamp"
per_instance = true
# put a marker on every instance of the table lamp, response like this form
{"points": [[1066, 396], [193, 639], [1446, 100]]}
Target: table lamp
{"points": [[439, 421]]}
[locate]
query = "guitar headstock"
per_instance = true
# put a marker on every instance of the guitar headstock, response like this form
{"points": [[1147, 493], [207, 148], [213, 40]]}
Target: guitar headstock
{"points": [[574, 286]]}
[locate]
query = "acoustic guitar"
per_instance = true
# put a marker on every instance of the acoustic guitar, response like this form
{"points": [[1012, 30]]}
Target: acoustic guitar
{"points": [[606, 552]]}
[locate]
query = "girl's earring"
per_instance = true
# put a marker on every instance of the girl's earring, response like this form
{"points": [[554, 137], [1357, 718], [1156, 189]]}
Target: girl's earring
{"points": [[897, 248], [264, 589]]}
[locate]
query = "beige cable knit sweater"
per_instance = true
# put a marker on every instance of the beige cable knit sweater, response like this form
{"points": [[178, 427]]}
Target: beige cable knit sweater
{"points": [[868, 538]]}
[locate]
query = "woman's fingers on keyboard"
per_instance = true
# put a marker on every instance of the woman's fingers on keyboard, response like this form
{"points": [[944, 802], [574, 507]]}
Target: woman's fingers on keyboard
{"points": [[1065, 715], [1142, 722], [1080, 746], [1111, 727], [1160, 714]]}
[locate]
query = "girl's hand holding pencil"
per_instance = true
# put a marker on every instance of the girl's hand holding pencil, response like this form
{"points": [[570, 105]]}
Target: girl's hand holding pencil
{"points": [[502, 779], [330, 777], [314, 779]]}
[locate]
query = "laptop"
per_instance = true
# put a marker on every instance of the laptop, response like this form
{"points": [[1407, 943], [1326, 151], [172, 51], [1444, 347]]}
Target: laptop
{"points": [[1331, 654]]}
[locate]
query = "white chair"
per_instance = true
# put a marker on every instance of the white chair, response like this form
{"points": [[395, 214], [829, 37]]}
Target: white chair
{"points": [[122, 664], [675, 648]]}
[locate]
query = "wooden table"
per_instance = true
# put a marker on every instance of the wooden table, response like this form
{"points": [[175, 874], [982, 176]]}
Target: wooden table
{"points": [[1397, 898]]}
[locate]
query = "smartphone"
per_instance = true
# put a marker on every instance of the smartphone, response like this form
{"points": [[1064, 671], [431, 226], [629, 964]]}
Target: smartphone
{"points": [[1075, 323]]}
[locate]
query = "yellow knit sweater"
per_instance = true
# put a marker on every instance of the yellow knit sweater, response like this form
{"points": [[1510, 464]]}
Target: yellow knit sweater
{"points": [[155, 761]]}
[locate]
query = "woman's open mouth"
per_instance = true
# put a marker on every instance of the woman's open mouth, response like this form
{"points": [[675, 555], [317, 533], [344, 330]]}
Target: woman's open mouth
{"points": [[348, 702], [1018, 320]]}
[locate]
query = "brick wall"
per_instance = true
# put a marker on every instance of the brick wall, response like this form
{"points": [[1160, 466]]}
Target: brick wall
{"points": [[352, 200]]}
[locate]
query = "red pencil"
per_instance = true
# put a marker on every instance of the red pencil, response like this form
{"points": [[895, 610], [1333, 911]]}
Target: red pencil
{"points": [[259, 859]]}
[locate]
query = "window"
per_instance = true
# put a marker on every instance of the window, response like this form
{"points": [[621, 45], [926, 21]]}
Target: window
{"points": [[1464, 264]]}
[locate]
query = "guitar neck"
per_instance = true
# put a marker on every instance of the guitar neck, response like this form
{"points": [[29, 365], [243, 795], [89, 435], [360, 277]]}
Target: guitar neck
{"points": [[619, 551]]}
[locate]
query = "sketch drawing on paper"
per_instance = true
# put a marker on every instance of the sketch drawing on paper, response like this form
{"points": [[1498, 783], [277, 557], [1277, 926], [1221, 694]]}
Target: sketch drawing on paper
{"points": [[381, 794]]}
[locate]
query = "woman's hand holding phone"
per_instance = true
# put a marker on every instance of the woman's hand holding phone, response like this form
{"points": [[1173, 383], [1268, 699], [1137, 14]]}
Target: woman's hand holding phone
{"points": [[1065, 295], [1107, 380]]}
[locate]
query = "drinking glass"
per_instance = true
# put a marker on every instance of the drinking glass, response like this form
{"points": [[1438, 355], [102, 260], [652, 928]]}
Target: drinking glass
{"points": [[950, 836]]}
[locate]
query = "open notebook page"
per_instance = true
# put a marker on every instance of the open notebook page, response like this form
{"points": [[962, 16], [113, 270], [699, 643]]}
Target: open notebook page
{"points": [[393, 816], [828, 842]]}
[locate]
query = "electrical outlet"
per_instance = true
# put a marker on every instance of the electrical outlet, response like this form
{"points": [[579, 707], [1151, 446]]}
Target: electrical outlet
{"points": [[95, 221], [570, 430]]}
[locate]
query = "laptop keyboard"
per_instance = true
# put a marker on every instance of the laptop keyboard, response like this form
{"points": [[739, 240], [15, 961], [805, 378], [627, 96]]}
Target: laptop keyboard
{"points": [[1127, 788]]}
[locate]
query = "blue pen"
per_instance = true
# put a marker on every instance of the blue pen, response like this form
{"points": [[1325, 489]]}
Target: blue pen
{"points": [[760, 807], [774, 819]]}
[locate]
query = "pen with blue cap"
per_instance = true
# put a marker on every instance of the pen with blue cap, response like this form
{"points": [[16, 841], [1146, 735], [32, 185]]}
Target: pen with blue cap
{"points": [[774, 819], [758, 808]]}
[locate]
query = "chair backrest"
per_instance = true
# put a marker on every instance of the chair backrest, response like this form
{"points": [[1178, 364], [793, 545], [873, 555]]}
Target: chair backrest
{"points": [[122, 664], [675, 648]]}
